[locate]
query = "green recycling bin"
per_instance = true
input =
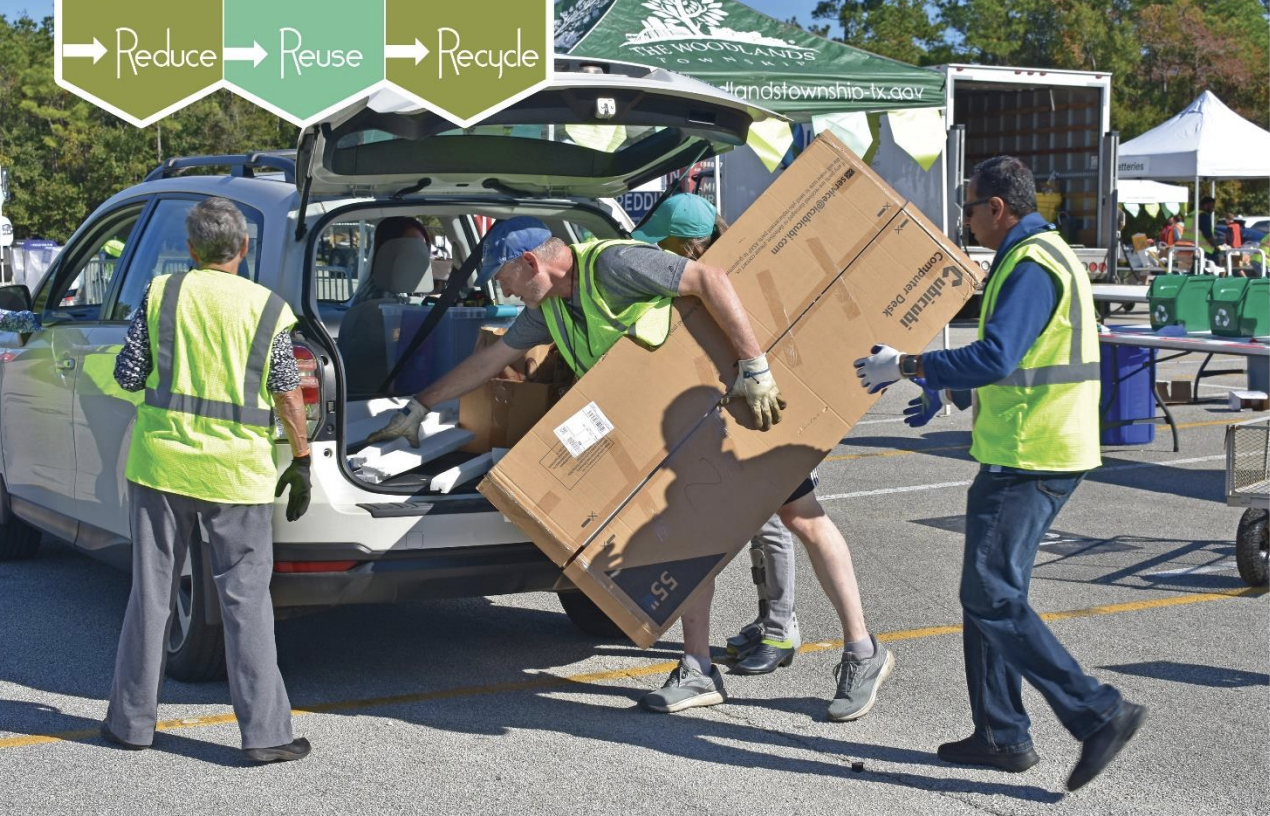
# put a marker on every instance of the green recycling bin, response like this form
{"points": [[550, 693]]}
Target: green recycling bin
{"points": [[1224, 302], [1254, 309], [1180, 300]]}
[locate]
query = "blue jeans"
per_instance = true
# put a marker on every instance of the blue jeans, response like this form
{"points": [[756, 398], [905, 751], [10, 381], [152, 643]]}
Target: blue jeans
{"points": [[1007, 514]]}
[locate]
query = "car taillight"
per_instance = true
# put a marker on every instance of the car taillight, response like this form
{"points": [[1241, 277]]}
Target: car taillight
{"points": [[310, 386], [1102, 267], [313, 566]]}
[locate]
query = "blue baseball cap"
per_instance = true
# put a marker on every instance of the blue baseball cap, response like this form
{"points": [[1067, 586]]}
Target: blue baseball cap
{"points": [[510, 239], [683, 215]]}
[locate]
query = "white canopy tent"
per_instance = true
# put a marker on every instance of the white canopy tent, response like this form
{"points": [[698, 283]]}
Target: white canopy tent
{"points": [[1133, 193], [1207, 140]]}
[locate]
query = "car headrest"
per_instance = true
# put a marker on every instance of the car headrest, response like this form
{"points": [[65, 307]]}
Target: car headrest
{"points": [[401, 265]]}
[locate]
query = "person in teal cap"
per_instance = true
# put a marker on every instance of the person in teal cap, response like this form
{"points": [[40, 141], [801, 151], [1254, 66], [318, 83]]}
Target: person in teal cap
{"points": [[687, 225]]}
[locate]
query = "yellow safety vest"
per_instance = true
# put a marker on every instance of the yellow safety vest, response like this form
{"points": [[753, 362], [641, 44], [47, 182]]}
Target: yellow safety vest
{"points": [[1044, 415], [583, 342], [205, 426]]}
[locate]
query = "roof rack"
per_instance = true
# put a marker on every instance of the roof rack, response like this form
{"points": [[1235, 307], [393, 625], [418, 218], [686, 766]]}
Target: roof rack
{"points": [[242, 165]]}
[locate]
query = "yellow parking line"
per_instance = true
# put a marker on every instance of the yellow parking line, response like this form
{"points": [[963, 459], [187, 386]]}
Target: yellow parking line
{"points": [[543, 681], [884, 454]]}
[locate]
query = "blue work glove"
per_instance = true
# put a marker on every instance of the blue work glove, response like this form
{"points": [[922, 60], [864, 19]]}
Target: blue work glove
{"points": [[921, 410], [880, 369]]}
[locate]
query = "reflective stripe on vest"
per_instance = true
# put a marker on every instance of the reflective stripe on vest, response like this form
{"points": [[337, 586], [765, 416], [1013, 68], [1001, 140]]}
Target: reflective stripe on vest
{"points": [[583, 342], [262, 342], [1077, 369]]}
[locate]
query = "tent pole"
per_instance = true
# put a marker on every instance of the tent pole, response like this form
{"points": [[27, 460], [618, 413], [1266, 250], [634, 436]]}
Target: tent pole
{"points": [[1197, 251]]}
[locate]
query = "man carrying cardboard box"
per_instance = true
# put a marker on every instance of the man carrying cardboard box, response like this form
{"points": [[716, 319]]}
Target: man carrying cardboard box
{"points": [[1035, 374], [584, 298]]}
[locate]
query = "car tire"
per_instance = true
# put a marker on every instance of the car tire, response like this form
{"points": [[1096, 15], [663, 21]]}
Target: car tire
{"points": [[195, 645], [588, 617], [18, 540], [1252, 547]]}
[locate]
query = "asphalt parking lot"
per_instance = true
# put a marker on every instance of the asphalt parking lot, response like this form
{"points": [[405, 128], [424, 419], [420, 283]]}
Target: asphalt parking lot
{"points": [[500, 705]]}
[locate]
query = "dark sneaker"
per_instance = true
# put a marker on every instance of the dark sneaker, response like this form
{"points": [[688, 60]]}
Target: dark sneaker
{"points": [[686, 688], [747, 640], [769, 656], [974, 751], [1097, 752], [858, 683], [109, 736], [296, 749]]}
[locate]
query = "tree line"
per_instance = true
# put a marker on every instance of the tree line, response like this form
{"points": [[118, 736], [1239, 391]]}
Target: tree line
{"points": [[65, 155]]}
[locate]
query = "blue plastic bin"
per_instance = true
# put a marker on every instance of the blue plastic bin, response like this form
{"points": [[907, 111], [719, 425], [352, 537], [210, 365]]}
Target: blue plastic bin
{"points": [[450, 342], [1132, 398]]}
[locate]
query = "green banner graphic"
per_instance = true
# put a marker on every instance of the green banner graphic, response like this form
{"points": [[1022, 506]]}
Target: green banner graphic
{"points": [[302, 59]]}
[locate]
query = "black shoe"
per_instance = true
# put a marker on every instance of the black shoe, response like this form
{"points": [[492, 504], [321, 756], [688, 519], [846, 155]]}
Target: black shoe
{"points": [[765, 659], [1097, 752], [296, 749], [109, 736], [741, 645], [973, 751]]}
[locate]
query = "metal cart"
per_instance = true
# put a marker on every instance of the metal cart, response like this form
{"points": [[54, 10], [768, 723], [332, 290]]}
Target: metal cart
{"points": [[1248, 486]]}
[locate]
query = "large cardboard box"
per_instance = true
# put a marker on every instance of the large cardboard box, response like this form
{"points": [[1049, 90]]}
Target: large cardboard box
{"points": [[639, 484]]}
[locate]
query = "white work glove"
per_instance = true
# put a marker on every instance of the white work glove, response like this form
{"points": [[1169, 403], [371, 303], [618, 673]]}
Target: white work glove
{"points": [[880, 369], [754, 382], [405, 423]]}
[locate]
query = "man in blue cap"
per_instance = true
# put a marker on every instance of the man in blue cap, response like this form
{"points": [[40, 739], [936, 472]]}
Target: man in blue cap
{"points": [[586, 297]]}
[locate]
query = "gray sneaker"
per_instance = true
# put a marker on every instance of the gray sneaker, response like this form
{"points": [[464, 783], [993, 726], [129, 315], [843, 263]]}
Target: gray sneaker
{"points": [[686, 688], [858, 683]]}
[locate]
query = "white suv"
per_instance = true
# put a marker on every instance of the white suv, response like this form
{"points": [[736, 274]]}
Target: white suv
{"points": [[65, 426]]}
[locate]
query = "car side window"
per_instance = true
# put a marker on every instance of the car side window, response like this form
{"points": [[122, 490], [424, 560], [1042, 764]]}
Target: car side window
{"points": [[79, 288], [162, 250]]}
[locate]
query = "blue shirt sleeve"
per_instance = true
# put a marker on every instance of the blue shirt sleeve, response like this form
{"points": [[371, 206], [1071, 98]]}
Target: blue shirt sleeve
{"points": [[1024, 307]]}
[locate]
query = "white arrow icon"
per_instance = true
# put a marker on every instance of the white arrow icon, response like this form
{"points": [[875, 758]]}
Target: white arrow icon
{"points": [[96, 50], [254, 55], [416, 52]]}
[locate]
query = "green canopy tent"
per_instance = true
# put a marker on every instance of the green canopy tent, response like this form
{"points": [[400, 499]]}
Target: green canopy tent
{"points": [[751, 55], [809, 79]]}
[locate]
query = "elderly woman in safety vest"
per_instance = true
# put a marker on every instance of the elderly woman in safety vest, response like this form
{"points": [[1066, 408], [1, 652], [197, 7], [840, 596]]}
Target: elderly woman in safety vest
{"points": [[1034, 371]]}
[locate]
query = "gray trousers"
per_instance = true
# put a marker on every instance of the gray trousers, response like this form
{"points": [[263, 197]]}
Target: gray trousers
{"points": [[776, 543], [241, 550]]}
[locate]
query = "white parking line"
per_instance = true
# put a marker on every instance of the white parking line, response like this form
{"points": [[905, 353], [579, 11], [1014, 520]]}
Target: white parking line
{"points": [[940, 485], [1225, 565]]}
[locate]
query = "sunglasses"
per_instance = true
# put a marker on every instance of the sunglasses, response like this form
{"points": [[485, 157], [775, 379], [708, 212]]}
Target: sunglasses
{"points": [[969, 207]]}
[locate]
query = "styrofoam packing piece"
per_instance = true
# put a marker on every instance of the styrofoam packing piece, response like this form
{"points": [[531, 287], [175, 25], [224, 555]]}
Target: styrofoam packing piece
{"points": [[371, 454], [401, 457], [447, 480]]}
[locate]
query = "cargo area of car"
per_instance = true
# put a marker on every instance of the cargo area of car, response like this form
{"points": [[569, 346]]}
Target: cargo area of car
{"points": [[373, 309]]}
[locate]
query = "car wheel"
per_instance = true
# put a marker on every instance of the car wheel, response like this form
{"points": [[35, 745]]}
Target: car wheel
{"points": [[18, 540], [196, 646], [1252, 547], [588, 617]]}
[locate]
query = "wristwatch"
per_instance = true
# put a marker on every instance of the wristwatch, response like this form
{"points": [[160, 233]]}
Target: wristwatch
{"points": [[908, 366]]}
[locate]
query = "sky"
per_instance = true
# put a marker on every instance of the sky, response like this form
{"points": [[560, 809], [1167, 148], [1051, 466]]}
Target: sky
{"points": [[780, 9]]}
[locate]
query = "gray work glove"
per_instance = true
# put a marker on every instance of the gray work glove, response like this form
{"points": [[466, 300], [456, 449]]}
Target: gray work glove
{"points": [[754, 382], [405, 423], [880, 369]]}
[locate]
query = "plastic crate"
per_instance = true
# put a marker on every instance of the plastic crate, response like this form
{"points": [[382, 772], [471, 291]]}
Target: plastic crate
{"points": [[450, 342], [1180, 300], [1223, 306]]}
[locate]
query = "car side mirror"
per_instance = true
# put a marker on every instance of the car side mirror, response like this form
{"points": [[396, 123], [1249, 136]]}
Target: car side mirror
{"points": [[15, 298]]}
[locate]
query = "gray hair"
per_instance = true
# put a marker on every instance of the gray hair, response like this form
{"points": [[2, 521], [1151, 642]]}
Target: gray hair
{"points": [[216, 229], [550, 248], [1008, 179]]}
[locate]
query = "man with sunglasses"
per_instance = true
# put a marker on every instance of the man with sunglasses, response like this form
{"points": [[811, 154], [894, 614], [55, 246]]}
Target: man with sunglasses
{"points": [[1035, 374]]}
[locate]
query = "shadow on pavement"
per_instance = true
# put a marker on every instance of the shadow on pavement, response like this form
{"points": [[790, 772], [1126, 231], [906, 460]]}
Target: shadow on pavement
{"points": [[1193, 673]]}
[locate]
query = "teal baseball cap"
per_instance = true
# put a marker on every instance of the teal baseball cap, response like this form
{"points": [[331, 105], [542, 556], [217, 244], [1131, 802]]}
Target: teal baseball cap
{"points": [[683, 215]]}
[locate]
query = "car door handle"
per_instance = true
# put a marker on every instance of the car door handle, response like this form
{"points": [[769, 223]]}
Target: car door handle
{"points": [[66, 363]]}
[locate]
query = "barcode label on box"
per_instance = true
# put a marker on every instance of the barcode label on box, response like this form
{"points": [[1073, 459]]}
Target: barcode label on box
{"points": [[584, 429]]}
